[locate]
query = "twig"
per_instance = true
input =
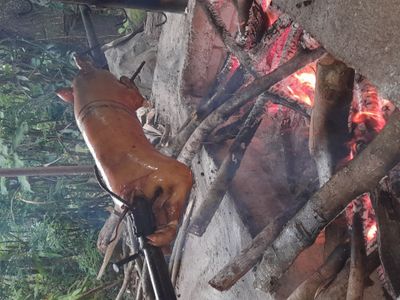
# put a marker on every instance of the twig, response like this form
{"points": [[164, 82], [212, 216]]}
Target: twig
{"points": [[251, 255], [227, 170], [355, 289], [254, 89], [358, 177]]}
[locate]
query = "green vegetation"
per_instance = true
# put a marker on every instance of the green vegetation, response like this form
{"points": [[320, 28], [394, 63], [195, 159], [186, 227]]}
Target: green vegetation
{"points": [[48, 225]]}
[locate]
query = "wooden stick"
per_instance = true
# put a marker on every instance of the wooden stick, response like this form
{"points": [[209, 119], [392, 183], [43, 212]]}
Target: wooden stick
{"points": [[47, 171], [254, 89], [337, 288], [355, 288], [329, 131], [251, 255], [333, 264], [227, 170], [358, 177]]}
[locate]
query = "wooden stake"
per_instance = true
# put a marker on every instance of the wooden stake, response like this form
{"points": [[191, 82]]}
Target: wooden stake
{"points": [[355, 289]]}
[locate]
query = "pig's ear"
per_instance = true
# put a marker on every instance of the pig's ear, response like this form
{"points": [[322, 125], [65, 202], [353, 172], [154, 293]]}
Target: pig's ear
{"points": [[66, 94]]}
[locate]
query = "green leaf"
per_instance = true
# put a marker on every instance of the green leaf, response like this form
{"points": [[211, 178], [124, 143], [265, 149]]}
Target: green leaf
{"points": [[25, 185], [3, 187], [20, 134]]}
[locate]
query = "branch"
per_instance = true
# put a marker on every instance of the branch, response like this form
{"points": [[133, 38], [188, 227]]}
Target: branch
{"points": [[254, 89], [355, 289], [250, 256], [358, 177], [227, 170]]}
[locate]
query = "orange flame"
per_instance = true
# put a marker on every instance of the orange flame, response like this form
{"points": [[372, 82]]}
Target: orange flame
{"points": [[301, 86], [371, 234]]}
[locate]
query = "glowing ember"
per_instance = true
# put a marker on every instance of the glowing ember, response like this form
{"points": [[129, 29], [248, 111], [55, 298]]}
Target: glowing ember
{"points": [[371, 234], [306, 78], [301, 85]]}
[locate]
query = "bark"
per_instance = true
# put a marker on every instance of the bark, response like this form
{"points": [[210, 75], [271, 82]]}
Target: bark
{"points": [[358, 177], [387, 207], [227, 170], [333, 264], [337, 288], [250, 256], [257, 87], [47, 171], [355, 288]]}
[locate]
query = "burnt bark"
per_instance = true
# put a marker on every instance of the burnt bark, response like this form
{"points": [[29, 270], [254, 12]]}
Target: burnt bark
{"points": [[358, 177], [333, 264], [387, 209], [355, 288]]}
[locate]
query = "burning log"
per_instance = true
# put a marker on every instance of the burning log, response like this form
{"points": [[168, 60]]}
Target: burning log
{"points": [[250, 256], [329, 132], [387, 209], [358, 177], [355, 288], [254, 89], [337, 288], [227, 170], [333, 264]]}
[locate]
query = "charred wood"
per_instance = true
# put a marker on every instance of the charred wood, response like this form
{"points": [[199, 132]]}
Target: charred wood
{"points": [[226, 37], [356, 178], [337, 288], [252, 90], [227, 170], [355, 288], [329, 132], [229, 131], [271, 35], [333, 264], [250, 256], [386, 205]]}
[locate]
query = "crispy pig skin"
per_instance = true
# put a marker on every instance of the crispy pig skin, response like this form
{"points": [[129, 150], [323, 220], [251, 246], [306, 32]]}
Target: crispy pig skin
{"points": [[105, 112]]}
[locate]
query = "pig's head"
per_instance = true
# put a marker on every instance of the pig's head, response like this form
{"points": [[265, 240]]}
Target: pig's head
{"points": [[92, 84]]}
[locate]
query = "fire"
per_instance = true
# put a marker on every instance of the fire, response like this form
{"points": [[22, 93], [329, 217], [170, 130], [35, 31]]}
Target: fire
{"points": [[307, 79], [371, 234], [301, 85]]}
